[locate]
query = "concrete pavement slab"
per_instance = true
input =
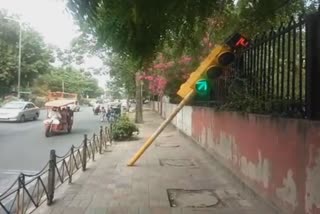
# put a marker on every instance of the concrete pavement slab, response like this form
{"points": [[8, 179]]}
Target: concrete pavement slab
{"points": [[109, 186]]}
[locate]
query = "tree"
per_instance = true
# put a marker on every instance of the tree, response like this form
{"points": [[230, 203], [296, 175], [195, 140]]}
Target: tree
{"points": [[139, 30], [169, 70], [35, 60], [123, 72], [114, 90], [74, 82]]}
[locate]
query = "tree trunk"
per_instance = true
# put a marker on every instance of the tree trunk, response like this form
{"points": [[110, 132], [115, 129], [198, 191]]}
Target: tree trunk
{"points": [[139, 118]]}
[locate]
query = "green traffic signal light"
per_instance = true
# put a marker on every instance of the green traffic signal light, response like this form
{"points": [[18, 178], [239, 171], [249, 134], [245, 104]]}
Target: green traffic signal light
{"points": [[202, 87]]}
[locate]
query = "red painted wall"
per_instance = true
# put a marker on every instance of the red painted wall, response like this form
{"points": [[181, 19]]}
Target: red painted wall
{"points": [[278, 158]]}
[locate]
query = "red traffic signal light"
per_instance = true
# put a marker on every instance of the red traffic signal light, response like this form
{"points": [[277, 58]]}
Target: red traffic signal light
{"points": [[237, 41]]}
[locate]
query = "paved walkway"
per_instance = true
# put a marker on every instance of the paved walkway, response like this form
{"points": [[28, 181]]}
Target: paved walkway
{"points": [[171, 168]]}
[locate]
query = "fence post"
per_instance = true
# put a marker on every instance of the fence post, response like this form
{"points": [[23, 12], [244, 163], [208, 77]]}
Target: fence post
{"points": [[84, 153], [106, 134], [110, 134], [95, 142], [104, 138], [100, 141], [71, 166], [312, 65], [21, 202], [23, 181], [93, 146], [51, 176]]}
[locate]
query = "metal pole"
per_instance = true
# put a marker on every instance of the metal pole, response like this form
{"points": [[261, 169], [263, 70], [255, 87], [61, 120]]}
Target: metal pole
{"points": [[22, 183], [160, 129], [93, 146], [312, 66], [100, 141], [19, 63], [51, 176], [70, 161], [84, 153]]}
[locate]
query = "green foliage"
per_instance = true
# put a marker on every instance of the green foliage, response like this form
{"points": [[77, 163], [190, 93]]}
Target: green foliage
{"points": [[36, 57], [123, 128], [243, 100], [122, 72], [138, 28], [74, 82], [39, 101], [251, 17], [136, 31], [141, 28]]}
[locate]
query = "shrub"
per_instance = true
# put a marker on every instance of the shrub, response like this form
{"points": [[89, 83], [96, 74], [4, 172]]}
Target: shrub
{"points": [[39, 101], [123, 129]]}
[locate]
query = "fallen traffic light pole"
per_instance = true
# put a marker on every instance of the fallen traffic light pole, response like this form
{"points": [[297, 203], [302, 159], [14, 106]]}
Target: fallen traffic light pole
{"points": [[220, 57], [161, 128]]}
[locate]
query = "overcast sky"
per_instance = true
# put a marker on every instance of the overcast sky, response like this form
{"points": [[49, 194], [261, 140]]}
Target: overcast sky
{"points": [[51, 19]]}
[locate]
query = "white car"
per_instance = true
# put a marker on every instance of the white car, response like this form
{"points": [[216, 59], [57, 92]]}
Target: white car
{"points": [[19, 111]]}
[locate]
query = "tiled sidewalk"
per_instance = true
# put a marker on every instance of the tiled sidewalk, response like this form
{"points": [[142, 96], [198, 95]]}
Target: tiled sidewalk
{"points": [[173, 162]]}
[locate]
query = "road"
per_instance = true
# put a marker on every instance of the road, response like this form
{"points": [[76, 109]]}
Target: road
{"points": [[24, 147]]}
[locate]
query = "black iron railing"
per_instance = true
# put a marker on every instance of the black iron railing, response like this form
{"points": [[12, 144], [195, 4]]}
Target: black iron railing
{"points": [[274, 67], [278, 73], [29, 191]]}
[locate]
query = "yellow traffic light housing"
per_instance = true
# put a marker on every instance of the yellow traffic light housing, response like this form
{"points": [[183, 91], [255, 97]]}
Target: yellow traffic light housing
{"points": [[220, 56]]}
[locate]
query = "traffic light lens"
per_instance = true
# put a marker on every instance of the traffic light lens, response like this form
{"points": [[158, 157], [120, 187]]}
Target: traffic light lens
{"points": [[214, 72], [202, 87], [226, 58]]}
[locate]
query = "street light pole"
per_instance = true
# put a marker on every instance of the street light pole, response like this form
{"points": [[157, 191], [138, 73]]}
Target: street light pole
{"points": [[19, 63], [19, 57]]}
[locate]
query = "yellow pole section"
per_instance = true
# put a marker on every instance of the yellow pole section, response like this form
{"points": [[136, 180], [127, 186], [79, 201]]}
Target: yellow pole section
{"points": [[161, 128]]}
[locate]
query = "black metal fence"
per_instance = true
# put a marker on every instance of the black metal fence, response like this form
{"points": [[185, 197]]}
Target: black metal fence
{"points": [[274, 67], [277, 73], [29, 191]]}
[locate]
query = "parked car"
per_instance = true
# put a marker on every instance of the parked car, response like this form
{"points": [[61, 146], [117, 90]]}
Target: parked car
{"points": [[19, 111]]}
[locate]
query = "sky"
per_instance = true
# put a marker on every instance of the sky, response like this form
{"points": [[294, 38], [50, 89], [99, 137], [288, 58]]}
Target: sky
{"points": [[48, 17], [51, 19]]}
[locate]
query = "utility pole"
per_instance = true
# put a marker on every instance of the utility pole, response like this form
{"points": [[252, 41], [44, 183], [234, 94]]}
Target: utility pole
{"points": [[62, 86], [19, 63]]}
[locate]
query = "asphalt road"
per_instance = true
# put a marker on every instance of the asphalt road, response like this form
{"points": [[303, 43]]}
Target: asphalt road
{"points": [[24, 147]]}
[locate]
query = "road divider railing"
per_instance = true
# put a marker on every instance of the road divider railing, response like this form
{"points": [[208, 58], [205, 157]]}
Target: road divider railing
{"points": [[28, 191]]}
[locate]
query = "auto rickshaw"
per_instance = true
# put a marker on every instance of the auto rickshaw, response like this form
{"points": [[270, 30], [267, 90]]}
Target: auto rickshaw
{"points": [[59, 117]]}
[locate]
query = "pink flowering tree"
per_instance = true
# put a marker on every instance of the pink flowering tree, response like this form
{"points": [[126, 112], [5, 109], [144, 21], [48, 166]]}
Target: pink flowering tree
{"points": [[166, 73], [164, 76]]}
